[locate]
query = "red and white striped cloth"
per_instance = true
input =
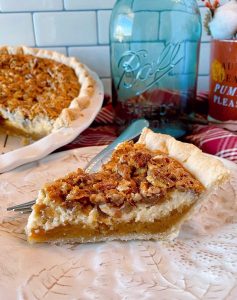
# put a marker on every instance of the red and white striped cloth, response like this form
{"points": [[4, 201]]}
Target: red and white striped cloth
{"points": [[101, 132], [215, 140], [211, 139]]}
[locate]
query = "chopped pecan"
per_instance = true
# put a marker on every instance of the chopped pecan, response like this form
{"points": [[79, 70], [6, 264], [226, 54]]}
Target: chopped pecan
{"points": [[77, 194], [140, 159], [114, 197], [124, 170], [98, 198]]}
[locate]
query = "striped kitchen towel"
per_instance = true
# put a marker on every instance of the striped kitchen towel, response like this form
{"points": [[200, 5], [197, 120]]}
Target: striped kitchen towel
{"points": [[211, 139], [215, 140], [93, 136]]}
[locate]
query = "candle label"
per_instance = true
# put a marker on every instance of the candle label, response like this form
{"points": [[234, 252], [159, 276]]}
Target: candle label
{"points": [[223, 81]]}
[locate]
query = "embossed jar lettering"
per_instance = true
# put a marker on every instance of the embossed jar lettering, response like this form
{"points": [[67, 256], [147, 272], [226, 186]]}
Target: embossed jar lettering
{"points": [[134, 70], [154, 47]]}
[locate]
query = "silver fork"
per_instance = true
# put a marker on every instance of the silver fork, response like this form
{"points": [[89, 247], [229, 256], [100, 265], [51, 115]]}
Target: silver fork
{"points": [[130, 133]]}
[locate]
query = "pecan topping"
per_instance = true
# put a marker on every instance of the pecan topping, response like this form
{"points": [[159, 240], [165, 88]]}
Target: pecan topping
{"points": [[133, 175], [38, 86]]}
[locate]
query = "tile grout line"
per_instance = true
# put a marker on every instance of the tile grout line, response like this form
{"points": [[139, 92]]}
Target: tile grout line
{"points": [[97, 27], [74, 46], [54, 11], [33, 26], [63, 2]]}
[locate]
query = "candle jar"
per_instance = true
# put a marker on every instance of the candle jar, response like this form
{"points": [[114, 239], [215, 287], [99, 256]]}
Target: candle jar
{"points": [[223, 82], [154, 50]]}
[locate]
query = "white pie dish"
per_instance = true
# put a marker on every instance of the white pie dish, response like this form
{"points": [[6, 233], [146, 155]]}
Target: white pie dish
{"points": [[15, 154]]}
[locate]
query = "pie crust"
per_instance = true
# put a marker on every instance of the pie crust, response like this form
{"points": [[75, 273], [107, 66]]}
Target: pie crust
{"points": [[65, 87], [145, 191]]}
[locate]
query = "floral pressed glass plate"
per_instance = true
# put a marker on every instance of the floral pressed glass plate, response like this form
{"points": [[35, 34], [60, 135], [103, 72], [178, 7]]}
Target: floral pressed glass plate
{"points": [[200, 264]]}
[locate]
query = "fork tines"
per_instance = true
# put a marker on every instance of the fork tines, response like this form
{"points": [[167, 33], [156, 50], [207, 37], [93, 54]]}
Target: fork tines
{"points": [[24, 207]]}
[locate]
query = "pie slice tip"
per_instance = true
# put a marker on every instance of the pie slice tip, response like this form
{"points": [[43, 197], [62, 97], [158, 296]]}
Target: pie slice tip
{"points": [[145, 191]]}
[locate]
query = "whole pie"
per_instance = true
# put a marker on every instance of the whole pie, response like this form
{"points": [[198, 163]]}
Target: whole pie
{"points": [[41, 90], [145, 191]]}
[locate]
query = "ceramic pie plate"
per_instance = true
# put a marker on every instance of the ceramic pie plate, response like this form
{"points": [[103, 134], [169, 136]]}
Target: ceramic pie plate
{"points": [[200, 264], [13, 153]]}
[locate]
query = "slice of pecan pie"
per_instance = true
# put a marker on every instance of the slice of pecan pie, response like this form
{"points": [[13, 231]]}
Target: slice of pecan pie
{"points": [[41, 90], [145, 191]]}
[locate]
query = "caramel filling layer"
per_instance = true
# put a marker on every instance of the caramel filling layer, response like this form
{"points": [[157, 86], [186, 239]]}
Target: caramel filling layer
{"points": [[83, 233]]}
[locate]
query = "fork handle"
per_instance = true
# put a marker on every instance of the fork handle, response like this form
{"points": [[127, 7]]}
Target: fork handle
{"points": [[129, 133]]}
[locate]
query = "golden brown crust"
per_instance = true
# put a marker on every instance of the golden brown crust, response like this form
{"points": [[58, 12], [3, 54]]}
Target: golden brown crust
{"points": [[48, 84]]}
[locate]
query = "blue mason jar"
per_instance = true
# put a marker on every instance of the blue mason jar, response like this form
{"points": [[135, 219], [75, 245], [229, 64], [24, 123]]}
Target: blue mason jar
{"points": [[154, 50]]}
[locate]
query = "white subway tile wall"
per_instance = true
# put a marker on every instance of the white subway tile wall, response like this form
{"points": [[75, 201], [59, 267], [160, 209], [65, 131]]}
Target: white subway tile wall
{"points": [[75, 27], [65, 28], [16, 28], [103, 26], [89, 4], [96, 58], [30, 5]]}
